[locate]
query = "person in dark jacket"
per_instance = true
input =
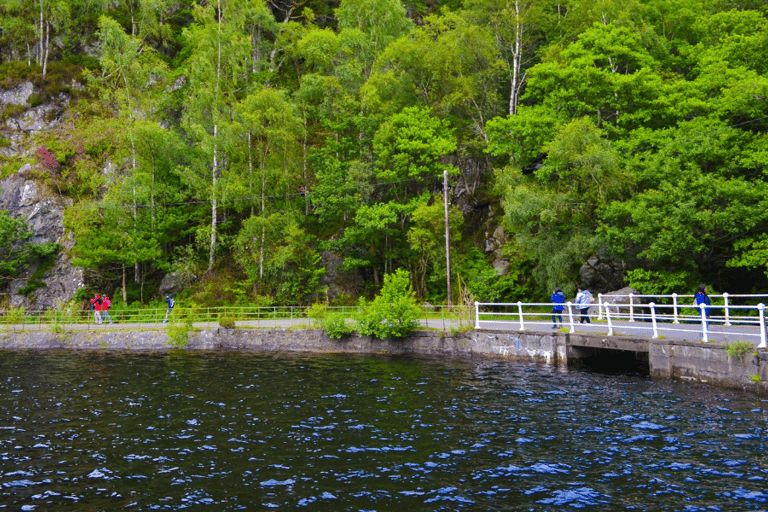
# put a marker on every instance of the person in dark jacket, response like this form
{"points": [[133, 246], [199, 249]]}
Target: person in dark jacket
{"points": [[558, 299], [701, 301], [171, 303]]}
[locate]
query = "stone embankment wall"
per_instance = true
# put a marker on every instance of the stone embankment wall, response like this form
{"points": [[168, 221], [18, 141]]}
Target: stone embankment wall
{"points": [[703, 362]]}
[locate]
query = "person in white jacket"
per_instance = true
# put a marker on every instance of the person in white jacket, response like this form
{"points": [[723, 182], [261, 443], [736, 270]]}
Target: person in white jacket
{"points": [[583, 302]]}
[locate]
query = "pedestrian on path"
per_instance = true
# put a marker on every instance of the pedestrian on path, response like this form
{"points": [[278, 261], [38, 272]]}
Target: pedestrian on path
{"points": [[583, 302], [558, 299], [106, 303], [171, 303], [97, 302]]}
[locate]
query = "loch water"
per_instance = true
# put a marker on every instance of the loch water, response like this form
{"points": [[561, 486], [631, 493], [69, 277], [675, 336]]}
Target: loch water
{"points": [[92, 431]]}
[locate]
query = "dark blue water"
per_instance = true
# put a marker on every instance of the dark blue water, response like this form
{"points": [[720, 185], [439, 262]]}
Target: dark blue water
{"points": [[104, 431]]}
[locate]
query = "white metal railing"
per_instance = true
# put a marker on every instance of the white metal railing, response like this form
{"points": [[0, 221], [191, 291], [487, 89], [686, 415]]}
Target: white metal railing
{"points": [[678, 302], [746, 321]]}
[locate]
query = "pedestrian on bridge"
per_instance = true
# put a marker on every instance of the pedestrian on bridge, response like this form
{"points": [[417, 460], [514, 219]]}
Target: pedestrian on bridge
{"points": [[558, 299], [583, 302]]}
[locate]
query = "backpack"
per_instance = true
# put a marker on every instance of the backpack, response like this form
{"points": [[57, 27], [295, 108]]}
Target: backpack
{"points": [[107, 303], [173, 303]]}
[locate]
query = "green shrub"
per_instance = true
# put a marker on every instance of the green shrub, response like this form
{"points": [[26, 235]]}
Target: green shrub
{"points": [[755, 378], [317, 312], [738, 349], [336, 326], [392, 314], [178, 334], [227, 321]]}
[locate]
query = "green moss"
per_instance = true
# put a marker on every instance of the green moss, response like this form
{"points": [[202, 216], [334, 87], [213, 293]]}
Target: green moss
{"points": [[47, 258], [12, 111]]}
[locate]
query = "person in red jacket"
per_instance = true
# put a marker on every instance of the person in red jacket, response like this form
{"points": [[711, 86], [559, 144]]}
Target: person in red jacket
{"points": [[97, 302], [106, 303]]}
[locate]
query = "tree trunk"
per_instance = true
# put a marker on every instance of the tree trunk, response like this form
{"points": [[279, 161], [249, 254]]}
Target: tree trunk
{"points": [[47, 45], [516, 57], [214, 205], [40, 53], [125, 290]]}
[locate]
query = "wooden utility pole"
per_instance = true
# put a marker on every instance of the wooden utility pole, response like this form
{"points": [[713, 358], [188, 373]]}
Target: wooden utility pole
{"points": [[447, 237]]}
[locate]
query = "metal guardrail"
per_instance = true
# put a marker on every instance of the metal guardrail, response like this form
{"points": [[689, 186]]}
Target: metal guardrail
{"points": [[639, 312], [432, 316]]}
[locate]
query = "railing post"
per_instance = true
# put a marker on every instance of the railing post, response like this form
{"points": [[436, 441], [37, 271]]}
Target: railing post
{"points": [[599, 306], [570, 316], [520, 312], [608, 317], [653, 319], [631, 309], [727, 316], [761, 309], [477, 315], [704, 335], [674, 309]]}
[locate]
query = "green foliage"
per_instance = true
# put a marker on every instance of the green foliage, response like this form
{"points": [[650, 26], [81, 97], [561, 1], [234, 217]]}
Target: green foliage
{"points": [[393, 313], [738, 349], [178, 334], [13, 316], [82, 294], [317, 312], [335, 326], [661, 282], [179, 327], [227, 321], [634, 130], [755, 378], [17, 253]]}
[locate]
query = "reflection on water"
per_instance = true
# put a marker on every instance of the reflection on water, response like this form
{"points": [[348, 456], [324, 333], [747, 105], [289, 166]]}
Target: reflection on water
{"points": [[104, 431]]}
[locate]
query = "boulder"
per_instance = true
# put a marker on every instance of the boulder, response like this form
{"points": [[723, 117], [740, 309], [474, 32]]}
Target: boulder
{"points": [[17, 95], [174, 282], [337, 281], [603, 272]]}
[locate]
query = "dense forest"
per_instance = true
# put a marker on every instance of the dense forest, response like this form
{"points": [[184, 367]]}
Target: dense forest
{"points": [[236, 141]]}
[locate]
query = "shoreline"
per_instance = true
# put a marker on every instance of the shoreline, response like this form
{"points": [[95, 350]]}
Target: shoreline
{"points": [[666, 359]]}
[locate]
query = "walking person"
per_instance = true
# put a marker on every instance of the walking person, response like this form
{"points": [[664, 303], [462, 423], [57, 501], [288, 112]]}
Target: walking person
{"points": [[106, 303], [558, 299], [701, 301], [97, 302], [583, 301], [171, 303]]}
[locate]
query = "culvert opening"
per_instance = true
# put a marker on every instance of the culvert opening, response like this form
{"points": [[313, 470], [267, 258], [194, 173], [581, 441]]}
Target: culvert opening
{"points": [[609, 361]]}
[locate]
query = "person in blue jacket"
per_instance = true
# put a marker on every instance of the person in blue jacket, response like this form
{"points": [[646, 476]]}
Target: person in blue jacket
{"points": [[171, 304], [558, 299], [702, 299]]}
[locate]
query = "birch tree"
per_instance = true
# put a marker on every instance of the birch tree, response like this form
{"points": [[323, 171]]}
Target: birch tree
{"points": [[218, 53]]}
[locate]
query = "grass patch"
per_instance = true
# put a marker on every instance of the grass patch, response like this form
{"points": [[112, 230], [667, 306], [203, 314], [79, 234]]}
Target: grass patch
{"points": [[738, 349]]}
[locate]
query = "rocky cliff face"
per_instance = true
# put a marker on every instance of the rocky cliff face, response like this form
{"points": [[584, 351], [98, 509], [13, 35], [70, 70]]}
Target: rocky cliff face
{"points": [[44, 212], [27, 199]]}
